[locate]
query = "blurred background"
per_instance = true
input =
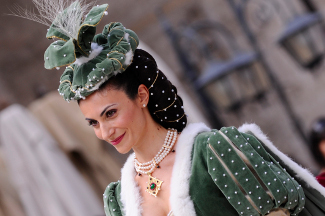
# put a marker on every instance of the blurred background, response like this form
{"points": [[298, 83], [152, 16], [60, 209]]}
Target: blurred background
{"points": [[234, 61]]}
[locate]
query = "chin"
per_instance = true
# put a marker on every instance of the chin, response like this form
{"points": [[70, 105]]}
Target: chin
{"points": [[122, 150]]}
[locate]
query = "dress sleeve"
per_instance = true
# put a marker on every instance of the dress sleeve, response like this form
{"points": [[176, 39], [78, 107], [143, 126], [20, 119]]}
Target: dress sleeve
{"points": [[111, 196], [253, 182]]}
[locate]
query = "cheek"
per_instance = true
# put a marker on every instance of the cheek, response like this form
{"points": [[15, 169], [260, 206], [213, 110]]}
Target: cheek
{"points": [[98, 133], [130, 117]]}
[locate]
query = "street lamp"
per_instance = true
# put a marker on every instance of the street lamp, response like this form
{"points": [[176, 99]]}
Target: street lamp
{"points": [[231, 77], [300, 40], [235, 82]]}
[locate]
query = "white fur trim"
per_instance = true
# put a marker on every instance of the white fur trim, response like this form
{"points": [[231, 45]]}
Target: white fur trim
{"points": [[130, 192], [95, 51], [98, 84], [126, 36], [180, 199], [301, 173], [128, 57]]}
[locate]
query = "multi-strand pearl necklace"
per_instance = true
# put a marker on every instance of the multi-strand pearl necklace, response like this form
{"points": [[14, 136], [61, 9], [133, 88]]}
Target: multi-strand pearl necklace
{"points": [[154, 184], [149, 167]]}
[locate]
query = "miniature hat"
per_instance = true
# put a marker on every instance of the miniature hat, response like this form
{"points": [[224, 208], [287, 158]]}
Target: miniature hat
{"points": [[90, 59]]}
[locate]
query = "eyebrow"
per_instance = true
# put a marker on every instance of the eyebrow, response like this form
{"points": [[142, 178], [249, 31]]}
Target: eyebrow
{"points": [[102, 113], [106, 109]]}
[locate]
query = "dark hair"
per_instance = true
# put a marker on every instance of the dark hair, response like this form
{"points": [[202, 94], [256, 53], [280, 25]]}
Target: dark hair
{"points": [[164, 105], [317, 134]]}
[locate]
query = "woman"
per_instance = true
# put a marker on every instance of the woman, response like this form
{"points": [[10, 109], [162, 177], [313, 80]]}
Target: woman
{"points": [[317, 146], [175, 169]]}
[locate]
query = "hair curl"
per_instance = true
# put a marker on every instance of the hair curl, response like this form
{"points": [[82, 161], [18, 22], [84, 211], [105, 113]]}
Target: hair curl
{"points": [[316, 135], [164, 105]]}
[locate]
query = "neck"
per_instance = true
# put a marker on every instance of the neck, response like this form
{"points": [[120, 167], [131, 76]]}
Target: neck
{"points": [[152, 140]]}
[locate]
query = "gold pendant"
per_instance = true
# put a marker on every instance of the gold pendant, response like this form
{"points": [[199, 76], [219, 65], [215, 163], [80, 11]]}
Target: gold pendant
{"points": [[153, 186]]}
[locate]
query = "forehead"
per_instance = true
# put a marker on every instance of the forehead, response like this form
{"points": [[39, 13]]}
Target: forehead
{"points": [[99, 99]]}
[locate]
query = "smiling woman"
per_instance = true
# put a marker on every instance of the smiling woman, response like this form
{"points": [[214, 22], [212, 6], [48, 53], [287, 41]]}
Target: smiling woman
{"points": [[176, 169]]}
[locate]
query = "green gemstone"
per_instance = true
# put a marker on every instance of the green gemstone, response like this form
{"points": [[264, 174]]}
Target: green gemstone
{"points": [[152, 186]]}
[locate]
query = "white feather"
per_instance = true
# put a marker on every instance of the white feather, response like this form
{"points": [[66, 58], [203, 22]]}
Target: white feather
{"points": [[50, 11]]}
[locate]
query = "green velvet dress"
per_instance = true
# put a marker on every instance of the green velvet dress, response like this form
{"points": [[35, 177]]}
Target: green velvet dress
{"points": [[226, 172]]}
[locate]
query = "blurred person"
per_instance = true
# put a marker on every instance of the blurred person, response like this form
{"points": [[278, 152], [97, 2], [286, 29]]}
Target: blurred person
{"points": [[177, 168], [317, 146]]}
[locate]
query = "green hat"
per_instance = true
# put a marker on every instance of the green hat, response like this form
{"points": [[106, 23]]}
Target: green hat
{"points": [[90, 59]]}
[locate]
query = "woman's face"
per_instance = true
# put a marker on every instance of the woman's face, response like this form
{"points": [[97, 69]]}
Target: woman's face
{"points": [[115, 118]]}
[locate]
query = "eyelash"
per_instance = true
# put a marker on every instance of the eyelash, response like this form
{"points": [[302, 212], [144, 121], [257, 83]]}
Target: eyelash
{"points": [[110, 113], [92, 123]]}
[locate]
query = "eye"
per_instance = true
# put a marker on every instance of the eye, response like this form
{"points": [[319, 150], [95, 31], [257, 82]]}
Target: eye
{"points": [[110, 113], [92, 123]]}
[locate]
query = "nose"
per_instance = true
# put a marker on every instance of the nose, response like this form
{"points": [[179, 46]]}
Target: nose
{"points": [[105, 133]]}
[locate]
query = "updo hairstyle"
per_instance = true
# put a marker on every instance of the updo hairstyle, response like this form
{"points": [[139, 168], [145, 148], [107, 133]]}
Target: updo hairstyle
{"points": [[164, 105], [317, 134]]}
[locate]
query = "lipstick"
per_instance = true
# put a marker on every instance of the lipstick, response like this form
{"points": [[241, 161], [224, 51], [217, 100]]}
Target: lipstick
{"points": [[117, 140]]}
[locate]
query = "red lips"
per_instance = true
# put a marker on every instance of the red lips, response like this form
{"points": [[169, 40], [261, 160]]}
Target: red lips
{"points": [[117, 140]]}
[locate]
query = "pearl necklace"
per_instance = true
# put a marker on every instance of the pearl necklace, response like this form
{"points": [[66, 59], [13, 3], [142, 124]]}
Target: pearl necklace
{"points": [[154, 184], [149, 167]]}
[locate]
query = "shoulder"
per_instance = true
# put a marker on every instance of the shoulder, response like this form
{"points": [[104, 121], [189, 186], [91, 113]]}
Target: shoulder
{"points": [[111, 198], [238, 159]]}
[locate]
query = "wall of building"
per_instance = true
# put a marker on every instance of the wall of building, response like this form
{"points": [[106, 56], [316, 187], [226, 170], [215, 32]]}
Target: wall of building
{"points": [[24, 78]]}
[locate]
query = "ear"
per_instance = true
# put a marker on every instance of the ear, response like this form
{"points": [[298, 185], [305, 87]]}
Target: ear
{"points": [[143, 95]]}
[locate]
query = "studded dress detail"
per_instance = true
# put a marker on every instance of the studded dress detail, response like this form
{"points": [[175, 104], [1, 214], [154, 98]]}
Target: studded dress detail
{"points": [[226, 172]]}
